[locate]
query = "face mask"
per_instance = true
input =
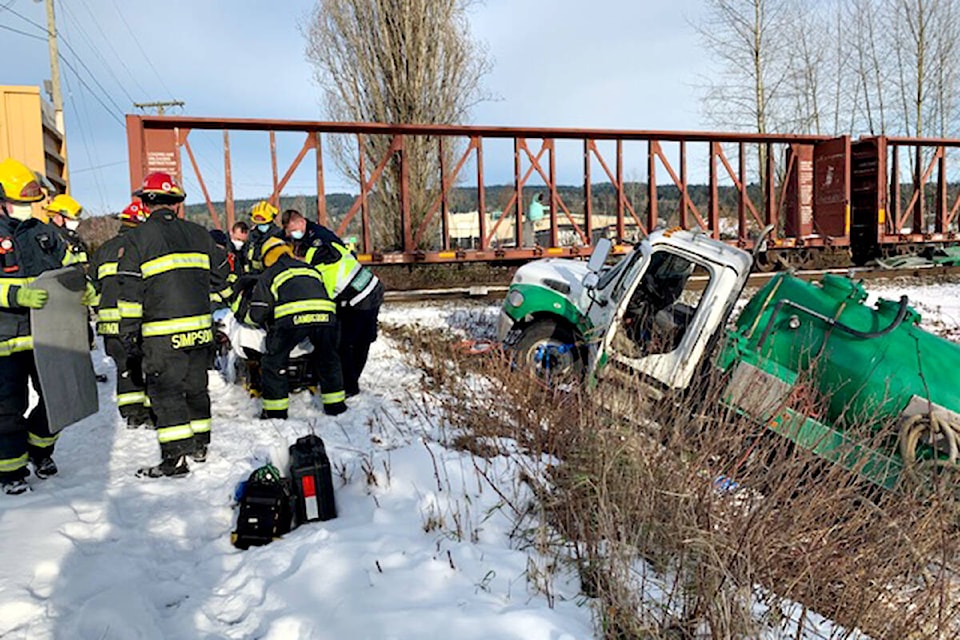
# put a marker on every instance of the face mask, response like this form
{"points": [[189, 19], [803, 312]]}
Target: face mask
{"points": [[237, 244], [21, 211], [296, 234], [263, 228], [73, 225]]}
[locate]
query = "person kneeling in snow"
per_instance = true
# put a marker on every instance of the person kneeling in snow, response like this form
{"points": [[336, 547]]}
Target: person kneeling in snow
{"points": [[291, 303]]}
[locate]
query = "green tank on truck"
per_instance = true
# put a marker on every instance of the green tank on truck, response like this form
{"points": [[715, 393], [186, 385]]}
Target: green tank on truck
{"points": [[662, 312]]}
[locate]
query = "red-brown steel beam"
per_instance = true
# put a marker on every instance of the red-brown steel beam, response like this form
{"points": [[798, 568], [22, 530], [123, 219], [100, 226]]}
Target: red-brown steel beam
{"points": [[518, 190], [247, 124], [321, 191], [941, 221], [621, 229], [444, 212], [684, 197], [587, 192], [406, 219], [481, 197], [278, 188], [203, 186], [554, 198], [680, 183]]}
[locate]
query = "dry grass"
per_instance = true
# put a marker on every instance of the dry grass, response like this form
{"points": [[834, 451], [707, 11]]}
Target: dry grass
{"points": [[632, 499]]}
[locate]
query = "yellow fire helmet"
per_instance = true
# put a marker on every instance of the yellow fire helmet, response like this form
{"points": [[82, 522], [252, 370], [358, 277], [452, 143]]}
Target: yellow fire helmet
{"points": [[18, 184], [263, 212], [65, 206], [272, 249]]}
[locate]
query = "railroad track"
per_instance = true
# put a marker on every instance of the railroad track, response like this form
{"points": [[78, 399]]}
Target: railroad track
{"points": [[491, 292]]}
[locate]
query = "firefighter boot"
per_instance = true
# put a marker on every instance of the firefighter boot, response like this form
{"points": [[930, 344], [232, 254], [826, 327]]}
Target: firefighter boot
{"points": [[334, 408], [169, 467], [44, 467], [199, 454], [42, 460], [139, 417], [14, 483]]}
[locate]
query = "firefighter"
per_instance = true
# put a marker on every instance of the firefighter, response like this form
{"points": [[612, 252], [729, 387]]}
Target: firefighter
{"points": [[291, 302], [238, 238], [28, 247], [167, 270], [64, 214], [358, 294], [131, 395], [263, 215], [305, 233]]}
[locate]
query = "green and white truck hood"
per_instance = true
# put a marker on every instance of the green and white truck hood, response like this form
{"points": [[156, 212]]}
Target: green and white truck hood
{"points": [[552, 286]]}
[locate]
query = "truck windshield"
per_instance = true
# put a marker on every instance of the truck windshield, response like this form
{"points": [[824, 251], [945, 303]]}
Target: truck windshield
{"points": [[612, 274]]}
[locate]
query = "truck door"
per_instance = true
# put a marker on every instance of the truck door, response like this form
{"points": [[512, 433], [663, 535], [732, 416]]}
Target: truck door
{"points": [[666, 318]]}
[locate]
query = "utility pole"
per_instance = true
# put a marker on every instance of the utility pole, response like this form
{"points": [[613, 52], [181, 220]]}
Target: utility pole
{"points": [[159, 106], [55, 92]]}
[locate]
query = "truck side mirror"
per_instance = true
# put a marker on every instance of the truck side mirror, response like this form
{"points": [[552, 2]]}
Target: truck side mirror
{"points": [[599, 256]]}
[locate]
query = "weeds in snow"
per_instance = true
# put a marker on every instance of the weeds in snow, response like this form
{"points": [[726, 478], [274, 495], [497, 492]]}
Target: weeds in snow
{"points": [[683, 519]]}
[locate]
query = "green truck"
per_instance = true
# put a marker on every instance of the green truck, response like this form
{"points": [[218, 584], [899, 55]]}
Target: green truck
{"points": [[661, 319]]}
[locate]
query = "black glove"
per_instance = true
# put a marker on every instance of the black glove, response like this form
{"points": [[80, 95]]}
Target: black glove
{"points": [[132, 346]]}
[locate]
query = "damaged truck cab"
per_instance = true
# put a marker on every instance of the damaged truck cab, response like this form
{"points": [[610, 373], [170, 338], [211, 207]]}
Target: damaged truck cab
{"points": [[656, 313], [880, 393]]}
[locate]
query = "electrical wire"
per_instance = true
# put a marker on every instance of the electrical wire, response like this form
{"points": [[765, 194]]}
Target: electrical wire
{"points": [[25, 18], [22, 33], [86, 143], [116, 54], [92, 75], [112, 113], [98, 167], [78, 27], [140, 48]]}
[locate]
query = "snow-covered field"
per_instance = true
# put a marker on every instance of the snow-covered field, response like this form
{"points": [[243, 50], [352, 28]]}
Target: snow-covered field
{"points": [[97, 553], [421, 547]]}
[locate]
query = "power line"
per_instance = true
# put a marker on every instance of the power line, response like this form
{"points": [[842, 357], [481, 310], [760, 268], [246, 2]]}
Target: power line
{"points": [[86, 144], [140, 48], [95, 96], [96, 51], [100, 166], [119, 58], [22, 33], [87, 69], [25, 18], [92, 76]]}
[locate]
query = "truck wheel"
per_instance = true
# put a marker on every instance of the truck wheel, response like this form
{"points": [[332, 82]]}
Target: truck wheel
{"points": [[551, 352]]}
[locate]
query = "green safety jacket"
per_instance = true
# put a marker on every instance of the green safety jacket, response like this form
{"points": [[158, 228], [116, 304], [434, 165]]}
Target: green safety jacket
{"points": [[347, 281]]}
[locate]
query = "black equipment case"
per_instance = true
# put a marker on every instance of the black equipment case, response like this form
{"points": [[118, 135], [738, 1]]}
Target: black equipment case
{"points": [[312, 480]]}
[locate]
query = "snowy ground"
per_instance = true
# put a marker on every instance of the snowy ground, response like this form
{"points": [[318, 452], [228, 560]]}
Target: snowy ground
{"points": [[421, 548], [97, 553]]}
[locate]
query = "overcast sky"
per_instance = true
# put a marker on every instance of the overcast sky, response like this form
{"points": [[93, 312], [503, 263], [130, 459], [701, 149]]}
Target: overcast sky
{"points": [[628, 64]]}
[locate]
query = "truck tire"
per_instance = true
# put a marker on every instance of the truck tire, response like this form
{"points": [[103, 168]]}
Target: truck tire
{"points": [[550, 351]]}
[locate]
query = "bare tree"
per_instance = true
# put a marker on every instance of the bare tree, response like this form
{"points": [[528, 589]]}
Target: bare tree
{"points": [[395, 61], [807, 102], [747, 38], [869, 74]]}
